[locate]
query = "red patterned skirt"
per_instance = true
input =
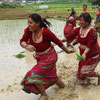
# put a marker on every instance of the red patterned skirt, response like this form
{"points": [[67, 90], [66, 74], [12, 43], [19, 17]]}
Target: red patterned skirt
{"points": [[87, 66], [44, 72]]}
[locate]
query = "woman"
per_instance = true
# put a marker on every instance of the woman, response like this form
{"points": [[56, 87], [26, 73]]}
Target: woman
{"points": [[72, 11], [89, 48], [70, 25], [97, 22], [37, 37], [85, 9]]}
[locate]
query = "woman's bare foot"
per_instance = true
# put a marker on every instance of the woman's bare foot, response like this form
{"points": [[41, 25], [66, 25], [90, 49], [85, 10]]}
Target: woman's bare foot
{"points": [[98, 80], [43, 97], [60, 84], [83, 82]]}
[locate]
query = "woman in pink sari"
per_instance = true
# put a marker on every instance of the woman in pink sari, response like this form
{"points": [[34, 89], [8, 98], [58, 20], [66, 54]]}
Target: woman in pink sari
{"points": [[89, 49], [37, 37]]}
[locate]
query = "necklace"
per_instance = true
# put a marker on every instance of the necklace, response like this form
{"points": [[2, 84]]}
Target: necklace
{"points": [[36, 37], [84, 31]]}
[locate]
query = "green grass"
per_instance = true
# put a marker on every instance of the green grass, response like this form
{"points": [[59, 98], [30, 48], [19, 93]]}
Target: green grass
{"points": [[56, 8], [61, 8]]}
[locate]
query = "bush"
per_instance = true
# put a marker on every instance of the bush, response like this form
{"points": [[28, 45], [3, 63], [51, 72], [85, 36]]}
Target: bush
{"points": [[96, 2], [6, 5]]}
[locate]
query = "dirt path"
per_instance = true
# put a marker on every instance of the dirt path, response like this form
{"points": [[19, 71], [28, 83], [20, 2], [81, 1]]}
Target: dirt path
{"points": [[23, 13]]}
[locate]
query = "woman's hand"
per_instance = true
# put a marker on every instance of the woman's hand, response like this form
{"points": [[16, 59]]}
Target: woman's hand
{"points": [[30, 48], [85, 52], [64, 40], [84, 55], [71, 48], [67, 50], [73, 42], [72, 51], [70, 45]]}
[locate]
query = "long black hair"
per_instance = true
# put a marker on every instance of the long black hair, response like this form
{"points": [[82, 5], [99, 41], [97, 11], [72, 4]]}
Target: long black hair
{"points": [[37, 18], [86, 17]]}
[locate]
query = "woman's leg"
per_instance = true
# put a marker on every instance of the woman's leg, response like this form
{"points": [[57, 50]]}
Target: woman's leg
{"points": [[44, 95], [60, 84], [93, 73], [98, 80], [40, 87], [98, 75], [83, 82]]}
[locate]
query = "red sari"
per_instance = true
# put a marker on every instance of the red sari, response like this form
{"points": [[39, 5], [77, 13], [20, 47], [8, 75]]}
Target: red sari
{"points": [[68, 29], [97, 23], [86, 67], [45, 69], [44, 72]]}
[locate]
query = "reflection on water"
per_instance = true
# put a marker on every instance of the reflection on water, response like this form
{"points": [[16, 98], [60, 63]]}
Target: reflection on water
{"points": [[12, 30]]}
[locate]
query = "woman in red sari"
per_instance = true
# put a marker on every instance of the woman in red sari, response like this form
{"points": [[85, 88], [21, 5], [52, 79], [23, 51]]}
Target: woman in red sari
{"points": [[70, 25], [37, 37], [89, 48], [85, 9], [97, 22]]}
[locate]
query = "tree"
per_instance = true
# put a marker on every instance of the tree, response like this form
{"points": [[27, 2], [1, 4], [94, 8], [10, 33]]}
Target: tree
{"points": [[95, 2], [31, 0], [81, 0]]}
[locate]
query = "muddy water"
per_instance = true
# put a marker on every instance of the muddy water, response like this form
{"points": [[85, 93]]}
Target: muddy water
{"points": [[12, 69]]}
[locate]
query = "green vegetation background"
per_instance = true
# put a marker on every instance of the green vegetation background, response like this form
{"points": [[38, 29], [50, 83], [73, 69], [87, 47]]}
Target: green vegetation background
{"points": [[60, 6]]}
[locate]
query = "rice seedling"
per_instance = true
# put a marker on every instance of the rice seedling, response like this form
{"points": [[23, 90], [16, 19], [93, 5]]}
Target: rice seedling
{"points": [[79, 57], [20, 55]]}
